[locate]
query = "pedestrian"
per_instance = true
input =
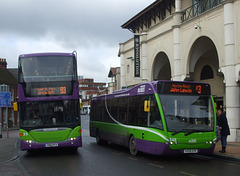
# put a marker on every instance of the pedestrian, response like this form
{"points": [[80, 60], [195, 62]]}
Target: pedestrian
{"points": [[224, 128]]}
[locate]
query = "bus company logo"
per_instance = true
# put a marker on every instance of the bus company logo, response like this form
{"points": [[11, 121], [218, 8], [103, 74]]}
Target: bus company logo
{"points": [[141, 89], [50, 129], [122, 95], [173, 139], [192, 141]]}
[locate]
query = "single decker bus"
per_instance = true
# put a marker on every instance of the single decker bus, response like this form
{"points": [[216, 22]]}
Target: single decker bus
{"points": [[48, 101], [160, 118]]}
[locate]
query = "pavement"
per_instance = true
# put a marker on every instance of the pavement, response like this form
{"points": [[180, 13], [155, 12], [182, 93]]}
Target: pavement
{"points": [[9, 150], [232, 151], [8, 145]]}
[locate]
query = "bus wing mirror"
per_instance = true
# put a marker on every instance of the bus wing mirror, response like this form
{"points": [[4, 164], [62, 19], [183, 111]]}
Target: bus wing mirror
{"points": [[147, 106], [15, 106]]}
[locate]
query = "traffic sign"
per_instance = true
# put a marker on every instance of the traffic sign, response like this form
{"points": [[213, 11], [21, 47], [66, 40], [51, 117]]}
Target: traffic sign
{"points": [[5, 99]]}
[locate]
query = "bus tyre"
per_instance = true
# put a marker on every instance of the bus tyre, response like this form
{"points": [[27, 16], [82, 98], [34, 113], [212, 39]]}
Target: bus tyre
{"points": [[132, 146], [100, 141], [73, 150]]}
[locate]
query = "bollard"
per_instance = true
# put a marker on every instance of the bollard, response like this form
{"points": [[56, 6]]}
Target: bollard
{"points": [[0, 130]]}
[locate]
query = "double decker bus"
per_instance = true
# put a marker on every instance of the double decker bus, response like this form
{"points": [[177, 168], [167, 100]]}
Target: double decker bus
{"points": [[48, 101], [160, 117]]}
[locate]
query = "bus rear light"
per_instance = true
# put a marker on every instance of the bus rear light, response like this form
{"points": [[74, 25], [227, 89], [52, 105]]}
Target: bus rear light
{"points": [[80, 131], [20, 134]]}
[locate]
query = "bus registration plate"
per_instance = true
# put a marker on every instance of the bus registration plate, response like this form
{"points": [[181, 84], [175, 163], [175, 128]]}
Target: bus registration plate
{"points": [[51, 145], [190, 151]]}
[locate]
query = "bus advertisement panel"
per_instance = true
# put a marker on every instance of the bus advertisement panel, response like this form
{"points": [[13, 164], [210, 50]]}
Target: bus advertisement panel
{"points": [[161, 117]]}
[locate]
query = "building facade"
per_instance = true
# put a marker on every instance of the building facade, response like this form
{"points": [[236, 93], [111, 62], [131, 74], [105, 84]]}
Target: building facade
{"points": [[8, 83], [114, 75], [88, 89], [188, 40]]}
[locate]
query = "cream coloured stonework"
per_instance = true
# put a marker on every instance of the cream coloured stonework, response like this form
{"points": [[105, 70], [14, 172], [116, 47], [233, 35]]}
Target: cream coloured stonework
{"points": [[216, 42]]}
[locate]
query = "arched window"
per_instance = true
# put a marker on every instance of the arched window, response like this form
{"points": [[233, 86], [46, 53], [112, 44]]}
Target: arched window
{"points": [[206, 73]]}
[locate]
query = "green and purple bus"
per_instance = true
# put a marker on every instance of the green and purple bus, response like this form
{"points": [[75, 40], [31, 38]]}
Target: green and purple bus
{"points": [[160, 117], [48, 101]]}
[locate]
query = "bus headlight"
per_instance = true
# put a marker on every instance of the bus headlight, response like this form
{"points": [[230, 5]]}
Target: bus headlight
{"points": [[171, 143], [71, 139], [209, 142], [30, 141]]}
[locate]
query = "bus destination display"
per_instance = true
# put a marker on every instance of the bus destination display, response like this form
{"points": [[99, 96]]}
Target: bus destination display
{"points": [[48, 91], [183, 88]]}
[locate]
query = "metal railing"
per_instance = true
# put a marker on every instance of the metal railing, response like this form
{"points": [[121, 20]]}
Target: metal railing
{"points": [[198, 8]]}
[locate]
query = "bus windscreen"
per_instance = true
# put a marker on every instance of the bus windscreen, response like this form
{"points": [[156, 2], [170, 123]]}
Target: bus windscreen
{"points": [[46, 69], [43, 76]]}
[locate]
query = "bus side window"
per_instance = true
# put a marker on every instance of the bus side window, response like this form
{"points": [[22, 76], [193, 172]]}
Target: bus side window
{"points": [[142, 116], [133, 111], [155, 118], [112, 106], [123, 106]]}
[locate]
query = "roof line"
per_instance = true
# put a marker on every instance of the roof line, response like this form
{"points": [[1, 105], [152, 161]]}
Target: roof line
{"points": [[141, 13]]}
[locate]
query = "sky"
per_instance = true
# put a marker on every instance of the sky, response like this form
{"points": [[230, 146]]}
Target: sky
{"points": [[92, 28]]}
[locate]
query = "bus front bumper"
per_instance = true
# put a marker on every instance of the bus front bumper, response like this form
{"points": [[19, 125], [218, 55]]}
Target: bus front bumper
{"points": [[27, 145], [157, 148]]}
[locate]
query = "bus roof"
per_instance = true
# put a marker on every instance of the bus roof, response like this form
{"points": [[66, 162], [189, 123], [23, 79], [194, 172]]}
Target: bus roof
{"points": [[46, 54], [141, 89], [153, 87]]}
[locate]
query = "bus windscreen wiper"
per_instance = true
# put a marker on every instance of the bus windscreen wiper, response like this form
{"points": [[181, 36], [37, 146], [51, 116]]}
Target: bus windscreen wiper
{"points": [[176, 132], [190, 132]]}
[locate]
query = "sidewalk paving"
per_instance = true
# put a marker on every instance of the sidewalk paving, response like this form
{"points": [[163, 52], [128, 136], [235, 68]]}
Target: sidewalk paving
{"points": [[8, 148], [232, 151]]}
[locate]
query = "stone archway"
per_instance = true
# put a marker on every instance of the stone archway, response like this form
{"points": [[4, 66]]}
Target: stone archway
{"points": [[161, 67], [204, 55]]}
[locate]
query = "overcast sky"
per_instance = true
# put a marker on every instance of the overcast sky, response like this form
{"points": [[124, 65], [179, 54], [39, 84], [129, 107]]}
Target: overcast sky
{"points": [[92, 28]]}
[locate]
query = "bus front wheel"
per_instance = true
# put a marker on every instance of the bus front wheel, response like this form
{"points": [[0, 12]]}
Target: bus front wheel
{"points": [[132, 146]]}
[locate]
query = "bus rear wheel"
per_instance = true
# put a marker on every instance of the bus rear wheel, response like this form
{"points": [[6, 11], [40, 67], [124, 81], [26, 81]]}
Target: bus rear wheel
{"points": [[132, 146], [99, 140]]}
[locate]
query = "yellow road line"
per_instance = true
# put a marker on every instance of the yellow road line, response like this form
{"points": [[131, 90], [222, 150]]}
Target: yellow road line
{"points": [[234, 164], [185, 173], [155, 165], [117, 153], [131, 158]]}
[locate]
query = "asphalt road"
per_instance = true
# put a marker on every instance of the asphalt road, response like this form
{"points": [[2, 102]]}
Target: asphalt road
{"points": [[111, 159]]}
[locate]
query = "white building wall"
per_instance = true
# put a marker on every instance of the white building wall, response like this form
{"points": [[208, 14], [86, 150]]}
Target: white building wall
{"points": [[221, 25]]}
